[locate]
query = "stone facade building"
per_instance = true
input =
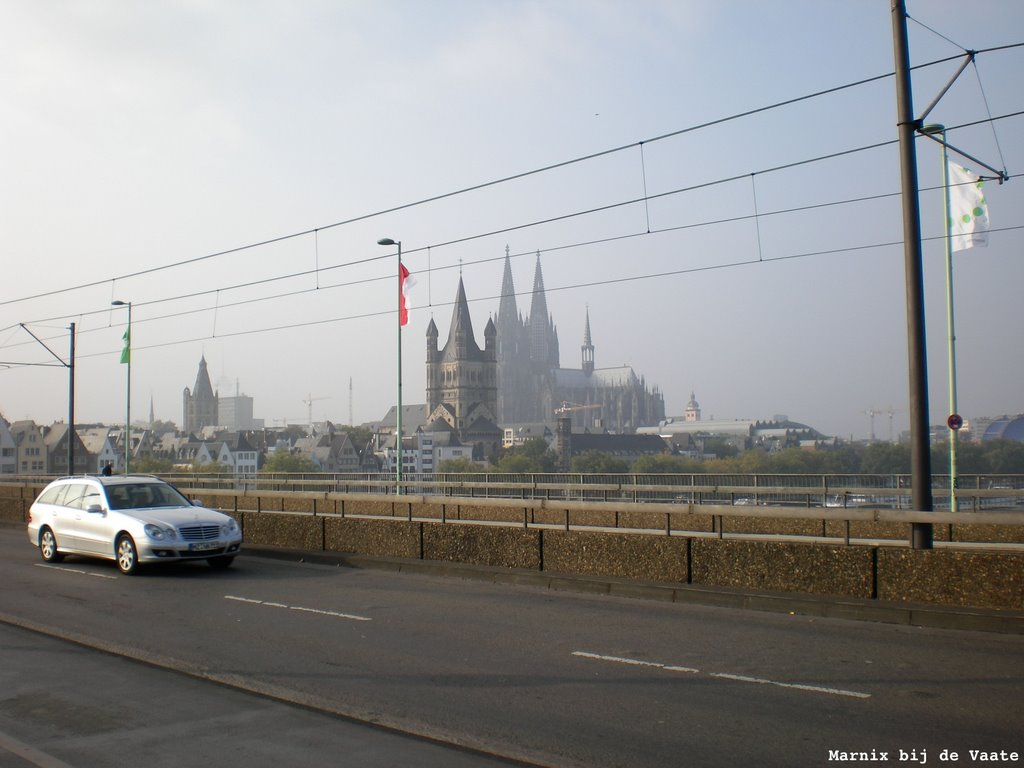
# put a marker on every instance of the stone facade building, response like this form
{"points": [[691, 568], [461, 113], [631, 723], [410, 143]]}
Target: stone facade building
{"points": [[462, 381]]}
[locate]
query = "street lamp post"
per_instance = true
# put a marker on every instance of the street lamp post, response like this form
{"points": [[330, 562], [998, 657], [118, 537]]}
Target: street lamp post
{"points": [[126, 357], [398, 413], [954, 483]]}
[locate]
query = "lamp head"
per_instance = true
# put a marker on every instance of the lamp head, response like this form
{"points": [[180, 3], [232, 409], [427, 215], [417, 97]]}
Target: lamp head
{"points": [[385, 241]]}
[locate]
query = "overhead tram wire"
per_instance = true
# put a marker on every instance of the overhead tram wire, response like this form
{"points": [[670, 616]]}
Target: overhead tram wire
{"points": [[495, 182], [491, 259], [516, 227], [548, 289]]}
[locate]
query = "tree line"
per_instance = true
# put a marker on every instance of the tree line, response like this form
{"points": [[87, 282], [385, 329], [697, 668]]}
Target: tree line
{"points": [[996, 457]]}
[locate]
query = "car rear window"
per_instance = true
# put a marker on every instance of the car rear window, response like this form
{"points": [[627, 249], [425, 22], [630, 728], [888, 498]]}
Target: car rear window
{"points": [[52, 494]]}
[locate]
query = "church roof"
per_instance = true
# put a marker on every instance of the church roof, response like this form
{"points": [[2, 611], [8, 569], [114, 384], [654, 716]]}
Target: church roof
{"points": [[482, 426], [623, 376], [438, 425], [203, 390], [413, 417], [461, 345]]}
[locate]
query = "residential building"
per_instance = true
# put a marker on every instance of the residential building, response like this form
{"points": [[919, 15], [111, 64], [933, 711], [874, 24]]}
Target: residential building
{"points": [[56, 438], [231, 451], [423, 452], [30, 448], [100, 447], [332, 452], [8, 450]]}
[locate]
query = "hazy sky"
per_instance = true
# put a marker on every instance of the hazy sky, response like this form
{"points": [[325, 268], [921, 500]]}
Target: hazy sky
{"points": [[134, 136]]}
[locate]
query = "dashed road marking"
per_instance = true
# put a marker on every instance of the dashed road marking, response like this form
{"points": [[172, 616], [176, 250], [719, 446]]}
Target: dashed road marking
{"points": [[723, 675], [29, 754], [304, 609], [78, 571]]}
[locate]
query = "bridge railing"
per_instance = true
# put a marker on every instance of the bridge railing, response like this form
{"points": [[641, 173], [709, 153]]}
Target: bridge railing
{"points": [[974, 492]]}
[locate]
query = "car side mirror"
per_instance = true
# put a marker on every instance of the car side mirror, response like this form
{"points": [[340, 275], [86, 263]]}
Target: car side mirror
{"points": [[95, 509], [197, 502]]}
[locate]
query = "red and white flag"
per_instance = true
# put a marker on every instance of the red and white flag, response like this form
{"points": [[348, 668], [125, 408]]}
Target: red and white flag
{"points": [[406, 282]]}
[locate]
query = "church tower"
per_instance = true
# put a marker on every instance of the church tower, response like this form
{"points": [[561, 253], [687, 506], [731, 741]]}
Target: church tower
{"points": [[199, 404], [513, 354], [462, 379], [692, 409]]}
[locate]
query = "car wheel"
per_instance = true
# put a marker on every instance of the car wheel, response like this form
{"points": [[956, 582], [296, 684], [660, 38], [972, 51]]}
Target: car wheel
{"points": [[220, 563], [127, 555], [48, 547]]}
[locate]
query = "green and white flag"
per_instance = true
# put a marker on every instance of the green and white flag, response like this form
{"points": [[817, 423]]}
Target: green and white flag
{"points": [[968, 209], [126, 353]]}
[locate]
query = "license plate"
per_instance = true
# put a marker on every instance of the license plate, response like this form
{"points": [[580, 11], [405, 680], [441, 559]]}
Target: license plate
{"points": [[203, 546]]}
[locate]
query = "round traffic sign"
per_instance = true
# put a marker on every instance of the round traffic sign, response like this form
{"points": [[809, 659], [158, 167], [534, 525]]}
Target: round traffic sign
{"points": [[955, 421]]}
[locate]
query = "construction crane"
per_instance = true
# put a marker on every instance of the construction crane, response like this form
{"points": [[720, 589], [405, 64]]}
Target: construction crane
{"points": [[871, 413], [891, 412], [564, 431], [309, 404]]}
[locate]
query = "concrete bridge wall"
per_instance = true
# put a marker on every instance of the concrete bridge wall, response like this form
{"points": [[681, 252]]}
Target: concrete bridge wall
{"points": [[980, 566]]}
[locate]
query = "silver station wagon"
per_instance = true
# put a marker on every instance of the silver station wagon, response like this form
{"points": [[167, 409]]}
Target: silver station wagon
{"points": [[130, 519]]}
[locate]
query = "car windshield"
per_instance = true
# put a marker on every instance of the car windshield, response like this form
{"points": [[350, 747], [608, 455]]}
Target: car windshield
{"points": [[144, 495]]}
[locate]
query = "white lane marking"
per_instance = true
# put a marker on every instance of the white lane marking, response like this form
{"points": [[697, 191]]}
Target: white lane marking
{"points": [[30, 754], [74, 570], [633, 662], [796, 686], [724, 675], [318, 611]]}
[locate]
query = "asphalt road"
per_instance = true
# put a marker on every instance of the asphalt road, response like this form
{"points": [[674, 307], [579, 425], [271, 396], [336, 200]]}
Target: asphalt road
{"points": [[284, 656]]}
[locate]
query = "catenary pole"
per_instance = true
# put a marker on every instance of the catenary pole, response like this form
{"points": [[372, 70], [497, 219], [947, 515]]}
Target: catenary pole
{"points": [[920, 458]]}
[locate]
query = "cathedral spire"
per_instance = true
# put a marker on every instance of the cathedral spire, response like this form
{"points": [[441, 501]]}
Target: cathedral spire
{"points": [[508, 313], [588, 347], [540, 328]]}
